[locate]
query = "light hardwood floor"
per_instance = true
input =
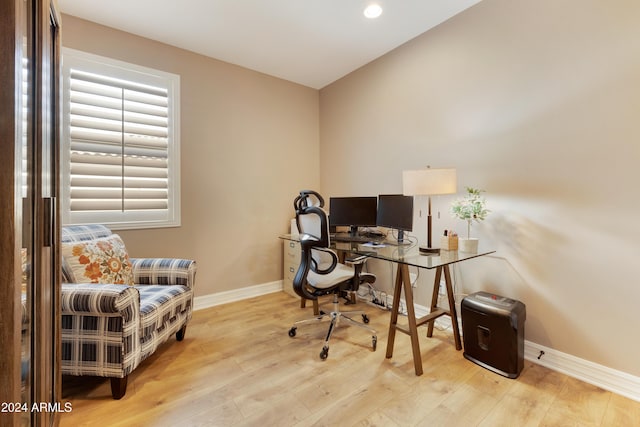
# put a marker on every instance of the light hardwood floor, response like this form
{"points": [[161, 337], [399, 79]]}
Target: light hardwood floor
{"points": [[238, 367]]}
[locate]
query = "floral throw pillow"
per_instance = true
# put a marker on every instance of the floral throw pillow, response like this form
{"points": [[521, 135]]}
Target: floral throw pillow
{"points": [[98, 261]]}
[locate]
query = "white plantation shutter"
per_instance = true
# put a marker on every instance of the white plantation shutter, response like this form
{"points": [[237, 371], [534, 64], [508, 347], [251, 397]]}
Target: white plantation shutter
{"points": [[121, 144]]}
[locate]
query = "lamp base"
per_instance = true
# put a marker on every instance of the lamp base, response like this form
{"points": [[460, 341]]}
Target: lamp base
{"points": [[426, 250]]}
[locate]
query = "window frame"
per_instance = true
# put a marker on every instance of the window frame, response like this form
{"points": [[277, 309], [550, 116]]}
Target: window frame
{"points": [[84, 61]]}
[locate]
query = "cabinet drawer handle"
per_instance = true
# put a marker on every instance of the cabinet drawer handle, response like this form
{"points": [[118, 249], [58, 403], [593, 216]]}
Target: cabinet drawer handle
{"points": [[292, 245], [291, 269]]}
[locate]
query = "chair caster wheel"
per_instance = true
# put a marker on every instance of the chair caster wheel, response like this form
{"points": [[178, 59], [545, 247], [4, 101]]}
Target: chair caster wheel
{"points": [[292, 332], [324, 353], [374, 342], [365, 318]]}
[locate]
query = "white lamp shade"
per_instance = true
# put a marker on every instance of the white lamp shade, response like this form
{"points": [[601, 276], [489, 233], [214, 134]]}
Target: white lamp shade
{"points": [[429, 182]]}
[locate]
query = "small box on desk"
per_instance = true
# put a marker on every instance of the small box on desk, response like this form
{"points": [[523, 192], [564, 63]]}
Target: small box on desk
{"points": [[449, 243], [493, 329]]}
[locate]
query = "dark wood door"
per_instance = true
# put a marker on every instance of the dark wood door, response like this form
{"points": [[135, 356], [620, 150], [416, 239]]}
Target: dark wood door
{"points": [[29, 258]]}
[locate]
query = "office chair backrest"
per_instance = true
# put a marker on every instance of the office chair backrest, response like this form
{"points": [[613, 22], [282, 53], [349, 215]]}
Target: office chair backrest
{"points": [[313, 226], [311, 219]]}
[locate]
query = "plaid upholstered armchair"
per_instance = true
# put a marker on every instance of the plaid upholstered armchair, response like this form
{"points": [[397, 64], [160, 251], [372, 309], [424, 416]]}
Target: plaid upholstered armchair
{"points": [[117, 310]]}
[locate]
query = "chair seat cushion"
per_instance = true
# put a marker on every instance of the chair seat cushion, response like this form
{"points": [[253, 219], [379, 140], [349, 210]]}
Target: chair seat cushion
{"points": [[339, 275]]}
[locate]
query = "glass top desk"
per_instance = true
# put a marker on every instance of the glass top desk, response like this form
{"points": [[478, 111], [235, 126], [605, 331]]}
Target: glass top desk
{"points": [[405, 257]]}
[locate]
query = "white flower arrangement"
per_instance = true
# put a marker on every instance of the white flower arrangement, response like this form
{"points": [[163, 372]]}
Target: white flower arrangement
{"points": [[472, 207]]}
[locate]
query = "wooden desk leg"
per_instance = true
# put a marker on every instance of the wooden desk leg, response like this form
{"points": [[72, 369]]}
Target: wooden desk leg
{"points": [[452, 304], [395, 307], [434, 299], [403, 282], [411, 317], [452, 308]]}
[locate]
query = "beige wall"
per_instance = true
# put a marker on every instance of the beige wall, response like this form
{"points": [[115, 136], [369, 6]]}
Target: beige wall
{"points": [[243, 136], [537, 102]]}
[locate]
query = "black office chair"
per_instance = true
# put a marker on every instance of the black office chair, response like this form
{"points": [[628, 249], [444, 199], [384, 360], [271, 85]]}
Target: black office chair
{"points": [[320, 273]]}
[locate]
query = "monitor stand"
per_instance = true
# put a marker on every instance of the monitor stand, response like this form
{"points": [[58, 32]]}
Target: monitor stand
{"points": [[353, 230], [401, 241]]}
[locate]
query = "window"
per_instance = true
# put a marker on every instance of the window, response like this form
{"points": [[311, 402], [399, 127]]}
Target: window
{"points": [[120, 153]]}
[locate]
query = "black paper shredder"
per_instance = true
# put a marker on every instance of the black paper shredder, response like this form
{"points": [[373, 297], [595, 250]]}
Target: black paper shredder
{"points": [[493, 332]]}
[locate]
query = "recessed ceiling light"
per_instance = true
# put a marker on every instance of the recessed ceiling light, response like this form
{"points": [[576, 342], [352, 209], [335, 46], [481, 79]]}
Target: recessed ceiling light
{"points": [[373, 11]]}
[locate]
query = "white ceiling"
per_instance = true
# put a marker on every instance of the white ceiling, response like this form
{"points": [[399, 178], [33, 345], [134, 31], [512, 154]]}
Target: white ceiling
{"points": [[311, 42]]}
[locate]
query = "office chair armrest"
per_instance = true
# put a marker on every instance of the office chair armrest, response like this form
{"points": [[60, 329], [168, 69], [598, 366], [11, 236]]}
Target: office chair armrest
{"points": [[308, 240], [358, 262], [356, 259], [307, 262], [334, 262]]}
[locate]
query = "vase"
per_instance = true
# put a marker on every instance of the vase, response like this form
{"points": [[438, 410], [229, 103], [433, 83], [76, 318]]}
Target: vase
{"points": [[468, 245]]}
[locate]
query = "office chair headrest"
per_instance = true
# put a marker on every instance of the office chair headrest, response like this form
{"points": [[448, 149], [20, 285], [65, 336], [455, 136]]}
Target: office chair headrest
{"points": [[306, 199]]}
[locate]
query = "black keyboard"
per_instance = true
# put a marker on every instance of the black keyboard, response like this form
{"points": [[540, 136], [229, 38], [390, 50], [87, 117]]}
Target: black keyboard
{"points": [[360, 238]]}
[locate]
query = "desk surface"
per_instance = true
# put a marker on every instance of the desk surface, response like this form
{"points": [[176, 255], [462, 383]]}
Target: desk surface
{"points": [[408, 254]]}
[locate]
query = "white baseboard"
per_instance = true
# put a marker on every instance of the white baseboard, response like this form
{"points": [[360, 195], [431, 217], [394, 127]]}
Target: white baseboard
{"points": [[601, 376], [598, 375], [225, 297]]}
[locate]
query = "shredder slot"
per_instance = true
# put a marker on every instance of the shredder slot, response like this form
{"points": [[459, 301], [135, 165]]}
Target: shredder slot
{"points": [[484, 337]]}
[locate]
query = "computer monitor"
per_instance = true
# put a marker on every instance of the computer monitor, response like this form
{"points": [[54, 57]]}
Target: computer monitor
{"points": [[352, 212], [395, 211]]}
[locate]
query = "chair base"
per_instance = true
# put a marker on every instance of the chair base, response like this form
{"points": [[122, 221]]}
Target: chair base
{"points": [[336, 316]]}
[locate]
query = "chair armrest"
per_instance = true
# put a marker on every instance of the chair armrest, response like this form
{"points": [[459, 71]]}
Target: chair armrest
{"points": [[95, 299], [356, 259], [100, 329], [320, 265], [308, 240], [164, 271]]}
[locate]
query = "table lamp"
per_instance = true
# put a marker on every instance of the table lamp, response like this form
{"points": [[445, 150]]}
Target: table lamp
{"points": [[429, 182]]}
